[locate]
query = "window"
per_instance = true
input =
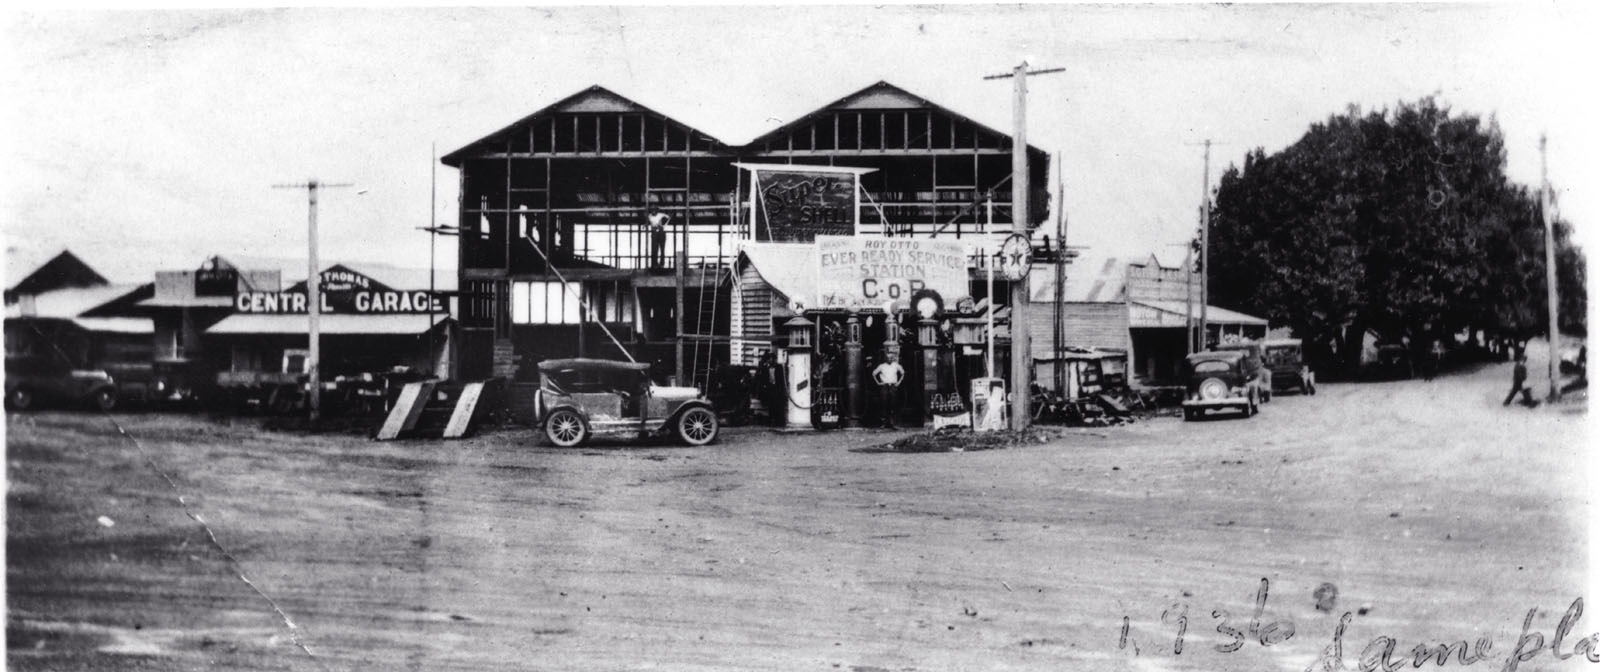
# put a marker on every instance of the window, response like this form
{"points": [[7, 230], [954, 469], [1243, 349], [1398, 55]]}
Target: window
{"points": [[894, 130], [544, 303], [849, 131], [872, 130], [294, 360], [632, 133], [609, 302]]}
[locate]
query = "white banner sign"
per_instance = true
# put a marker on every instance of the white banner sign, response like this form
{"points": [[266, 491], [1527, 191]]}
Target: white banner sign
{"points": [[856, 272]]}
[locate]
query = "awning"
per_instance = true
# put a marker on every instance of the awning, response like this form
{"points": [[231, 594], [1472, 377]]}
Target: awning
{"points": [[331, 324], [789, 268], [1172, 314], [189, 302], [117, 325]]}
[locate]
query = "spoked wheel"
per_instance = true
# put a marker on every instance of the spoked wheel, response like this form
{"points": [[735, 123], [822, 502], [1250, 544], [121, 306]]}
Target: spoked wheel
{"points": [[697, 427], [565, 429]]}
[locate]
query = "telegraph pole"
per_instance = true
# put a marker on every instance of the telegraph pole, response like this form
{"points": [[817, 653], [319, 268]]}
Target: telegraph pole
{"points": [[1550, 272], [1020, 360], [1057, 329], [313, 295]]}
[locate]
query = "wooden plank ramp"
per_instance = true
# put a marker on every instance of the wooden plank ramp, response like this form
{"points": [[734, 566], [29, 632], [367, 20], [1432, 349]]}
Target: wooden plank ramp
{"points": [[407, 408]]}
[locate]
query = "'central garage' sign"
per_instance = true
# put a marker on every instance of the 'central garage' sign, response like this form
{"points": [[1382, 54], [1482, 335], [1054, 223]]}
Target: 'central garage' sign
{"points": [[343, 291], [862, 272], [361, 302]]}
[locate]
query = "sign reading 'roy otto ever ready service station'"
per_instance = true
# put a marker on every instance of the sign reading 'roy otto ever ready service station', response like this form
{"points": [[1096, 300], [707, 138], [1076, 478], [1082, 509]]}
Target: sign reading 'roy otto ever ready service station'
{"points": [[865, 272]]}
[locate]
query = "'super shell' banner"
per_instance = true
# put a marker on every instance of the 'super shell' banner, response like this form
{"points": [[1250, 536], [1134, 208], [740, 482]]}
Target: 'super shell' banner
{"points": [[801, 205]]}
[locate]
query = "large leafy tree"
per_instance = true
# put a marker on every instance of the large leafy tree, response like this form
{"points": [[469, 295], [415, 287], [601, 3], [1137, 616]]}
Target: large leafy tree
{"points": [[1401, 222]]}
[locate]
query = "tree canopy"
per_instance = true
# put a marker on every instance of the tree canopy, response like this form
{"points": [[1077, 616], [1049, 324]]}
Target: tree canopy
{"points": [[1399, 221]]}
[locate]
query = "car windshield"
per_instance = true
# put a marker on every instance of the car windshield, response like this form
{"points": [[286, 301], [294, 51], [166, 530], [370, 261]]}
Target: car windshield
{"points": [[1213, 366], [1283, 354]]}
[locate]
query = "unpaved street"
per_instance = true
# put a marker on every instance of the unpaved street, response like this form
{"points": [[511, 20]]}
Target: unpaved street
{"points": [[1436, 513]]}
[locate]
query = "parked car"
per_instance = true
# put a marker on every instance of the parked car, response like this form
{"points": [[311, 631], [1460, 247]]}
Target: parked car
{"points": [[1393, 362], [1255, 363], [1282, 357], [579, 399], [31, 381], [1222, 379]]}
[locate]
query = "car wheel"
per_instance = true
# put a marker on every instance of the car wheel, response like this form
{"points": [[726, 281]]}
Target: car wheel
{"points": [[697, 426], [565, 429], [19, 399], [104, 400]]}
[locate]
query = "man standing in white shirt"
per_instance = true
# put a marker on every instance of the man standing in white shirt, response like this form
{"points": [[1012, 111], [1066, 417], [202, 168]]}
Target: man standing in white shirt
{"points": [[658, 235], [888, 376]]}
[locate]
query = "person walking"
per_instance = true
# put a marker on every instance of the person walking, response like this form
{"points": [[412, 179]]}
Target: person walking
{"points": [[888, 376], [1435, 357], [657, 221], [1519, 379]]}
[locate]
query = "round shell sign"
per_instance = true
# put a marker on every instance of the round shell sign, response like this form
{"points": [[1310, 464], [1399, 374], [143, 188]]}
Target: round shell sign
{"points": [[860, 272]]}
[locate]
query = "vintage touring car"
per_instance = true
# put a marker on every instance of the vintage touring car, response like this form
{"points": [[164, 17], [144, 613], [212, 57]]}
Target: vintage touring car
{"points": [[580, 399], [1284, 359]]}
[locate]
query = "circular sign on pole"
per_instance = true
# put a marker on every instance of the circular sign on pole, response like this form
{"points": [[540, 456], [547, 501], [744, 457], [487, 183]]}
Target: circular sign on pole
{"points": [[1015, 257]]}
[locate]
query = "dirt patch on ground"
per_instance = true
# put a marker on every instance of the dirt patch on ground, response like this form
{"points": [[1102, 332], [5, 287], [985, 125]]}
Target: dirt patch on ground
{"points": [[960, 439]]}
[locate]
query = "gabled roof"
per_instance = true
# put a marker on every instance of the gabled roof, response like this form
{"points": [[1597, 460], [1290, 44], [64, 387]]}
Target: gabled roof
{"points": [[593, 99], [63, 270], [878, 96], [74, 302]]}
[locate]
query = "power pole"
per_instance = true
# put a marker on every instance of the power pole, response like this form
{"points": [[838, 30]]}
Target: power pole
{"points": [[1020, 215], [1188, 299], [1058, 331], [1550, 272], [1205, 243], [313, 295]]}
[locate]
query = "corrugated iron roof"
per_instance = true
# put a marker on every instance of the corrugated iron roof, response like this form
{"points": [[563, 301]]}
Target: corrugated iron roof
{"points": [[1089, 279], [1214, 315], [69, 303], [118, 325]]}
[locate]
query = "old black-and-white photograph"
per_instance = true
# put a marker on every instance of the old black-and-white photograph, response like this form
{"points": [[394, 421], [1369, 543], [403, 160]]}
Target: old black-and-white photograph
{"points": [[871, 338]]}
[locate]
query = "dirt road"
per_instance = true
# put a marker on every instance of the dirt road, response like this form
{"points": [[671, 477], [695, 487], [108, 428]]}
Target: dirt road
{"points": [[1436, 513]]}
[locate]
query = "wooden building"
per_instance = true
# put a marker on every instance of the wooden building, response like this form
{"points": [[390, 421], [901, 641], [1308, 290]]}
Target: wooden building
{"points": [[1139, 306], [555, 240], [65, 312]]}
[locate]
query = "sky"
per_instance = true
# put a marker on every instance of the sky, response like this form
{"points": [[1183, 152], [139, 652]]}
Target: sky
{"points": [[149, 140]]}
